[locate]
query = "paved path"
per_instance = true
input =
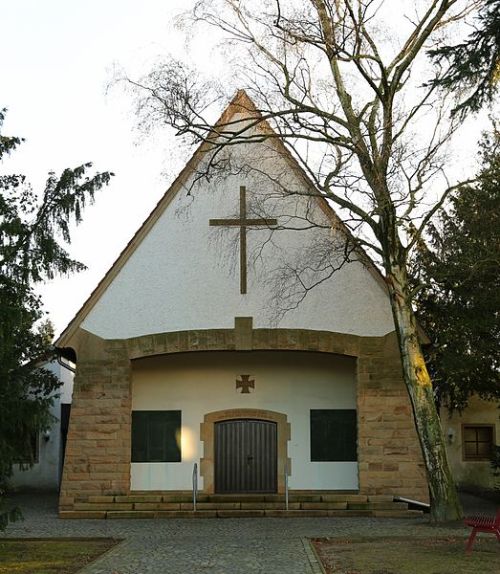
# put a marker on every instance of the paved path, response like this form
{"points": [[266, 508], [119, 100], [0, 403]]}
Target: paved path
{"points": [[202, 546]]}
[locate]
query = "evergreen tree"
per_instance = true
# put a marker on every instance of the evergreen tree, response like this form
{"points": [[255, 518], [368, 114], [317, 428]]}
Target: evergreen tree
{"points": [[460, 304], [33, 234], [473, 66]]}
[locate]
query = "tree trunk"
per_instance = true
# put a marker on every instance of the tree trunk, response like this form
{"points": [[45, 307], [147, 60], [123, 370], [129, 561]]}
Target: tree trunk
{"points": [[445, 504]]}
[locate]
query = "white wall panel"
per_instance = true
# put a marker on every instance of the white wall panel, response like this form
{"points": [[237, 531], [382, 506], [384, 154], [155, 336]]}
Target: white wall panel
{"points": [[185, 273], [289, 383]]}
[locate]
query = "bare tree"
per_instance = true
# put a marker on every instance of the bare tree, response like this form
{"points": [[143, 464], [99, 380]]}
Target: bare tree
{"points": [[345, 93]]}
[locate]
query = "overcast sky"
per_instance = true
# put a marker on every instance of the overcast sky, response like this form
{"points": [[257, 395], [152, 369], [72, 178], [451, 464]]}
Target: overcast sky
{"points": [[58, 57]]}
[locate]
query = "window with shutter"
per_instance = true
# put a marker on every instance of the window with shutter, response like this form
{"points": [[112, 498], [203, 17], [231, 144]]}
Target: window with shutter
{"points": [[333, 435], [156, 436]]}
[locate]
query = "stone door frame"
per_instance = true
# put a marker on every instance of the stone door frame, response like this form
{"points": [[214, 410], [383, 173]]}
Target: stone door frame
{"points": [[207, 437]]}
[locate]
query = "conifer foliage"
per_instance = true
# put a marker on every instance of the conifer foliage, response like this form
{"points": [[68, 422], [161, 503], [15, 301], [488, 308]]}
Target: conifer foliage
{"points": [[34, 232], [460, 305], [472, 67]]}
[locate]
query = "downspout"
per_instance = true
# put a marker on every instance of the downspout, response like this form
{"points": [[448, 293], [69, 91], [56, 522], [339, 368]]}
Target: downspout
{"points": [[65, 365], [59, 358]]}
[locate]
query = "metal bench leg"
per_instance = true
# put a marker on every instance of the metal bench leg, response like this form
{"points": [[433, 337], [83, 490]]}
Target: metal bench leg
{"points": [[471, 541]]}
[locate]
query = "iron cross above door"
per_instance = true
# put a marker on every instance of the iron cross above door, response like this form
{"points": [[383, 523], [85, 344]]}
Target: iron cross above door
{"points": [[243, 223], [245, 383]]}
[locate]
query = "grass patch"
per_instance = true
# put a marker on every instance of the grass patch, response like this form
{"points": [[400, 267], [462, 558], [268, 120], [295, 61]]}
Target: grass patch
{"points": [[50, 556], [407, 555]]}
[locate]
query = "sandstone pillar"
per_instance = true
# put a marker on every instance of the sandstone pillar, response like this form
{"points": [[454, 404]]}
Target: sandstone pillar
{"points": [[97, 459]]}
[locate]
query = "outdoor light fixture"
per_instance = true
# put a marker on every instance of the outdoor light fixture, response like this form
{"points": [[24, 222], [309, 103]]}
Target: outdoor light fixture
{"points": [[451, 435], [46, 435]]}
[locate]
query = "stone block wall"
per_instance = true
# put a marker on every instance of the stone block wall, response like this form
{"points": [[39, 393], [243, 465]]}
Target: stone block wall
{"points": [[97, 459], [98, 448], [390, 456]]}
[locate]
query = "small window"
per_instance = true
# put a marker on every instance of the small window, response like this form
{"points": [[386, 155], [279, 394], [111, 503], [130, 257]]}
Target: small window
{"points": [[477, 442], [333, 435], [156, 436]]}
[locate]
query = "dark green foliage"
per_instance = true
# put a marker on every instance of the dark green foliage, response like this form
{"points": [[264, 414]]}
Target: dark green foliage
{"points": [[472, 67], [33, 230], [460, 304]]}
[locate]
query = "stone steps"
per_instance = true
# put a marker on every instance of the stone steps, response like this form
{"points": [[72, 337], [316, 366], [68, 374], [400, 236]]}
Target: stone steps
{"points": [[237, 513], [255, 505], [179, 498], [180, 505]]}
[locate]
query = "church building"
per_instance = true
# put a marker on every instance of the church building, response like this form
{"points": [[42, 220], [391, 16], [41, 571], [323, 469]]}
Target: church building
{"points": [[240, 339]]}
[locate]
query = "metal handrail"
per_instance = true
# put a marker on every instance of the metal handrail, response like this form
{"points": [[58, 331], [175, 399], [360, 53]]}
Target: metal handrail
{"points": [[195, 485], [286, 484]]}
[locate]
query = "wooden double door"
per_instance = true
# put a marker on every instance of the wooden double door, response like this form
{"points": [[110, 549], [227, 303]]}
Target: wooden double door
{"points": [[245, 456]]}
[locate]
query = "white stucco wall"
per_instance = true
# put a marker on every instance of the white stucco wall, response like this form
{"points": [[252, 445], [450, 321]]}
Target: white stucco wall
{"points": [[46, 473], [185, 273], [289, 383]]}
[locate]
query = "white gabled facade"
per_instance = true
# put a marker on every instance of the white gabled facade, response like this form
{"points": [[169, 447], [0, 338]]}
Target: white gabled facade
{"points": [[173, 329], [185, 273]]}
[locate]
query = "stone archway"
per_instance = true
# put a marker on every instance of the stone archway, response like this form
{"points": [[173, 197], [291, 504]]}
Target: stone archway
{"points": [[207, 433], [103, 385]]}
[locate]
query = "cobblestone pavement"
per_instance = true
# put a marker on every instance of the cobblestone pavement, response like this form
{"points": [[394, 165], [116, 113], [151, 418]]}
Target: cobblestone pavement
{"points": [[218, 546]]}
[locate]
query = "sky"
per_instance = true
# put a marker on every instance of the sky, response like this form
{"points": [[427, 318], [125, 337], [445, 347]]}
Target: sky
{"points": [[57, 62], [58, 59]]}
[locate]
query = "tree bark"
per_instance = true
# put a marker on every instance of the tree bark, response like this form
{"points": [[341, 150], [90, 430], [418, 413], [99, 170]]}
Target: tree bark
{"points": [[445, 504]]}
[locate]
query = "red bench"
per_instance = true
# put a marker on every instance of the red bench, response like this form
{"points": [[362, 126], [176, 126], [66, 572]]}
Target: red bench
{"points": [[481, 523]]}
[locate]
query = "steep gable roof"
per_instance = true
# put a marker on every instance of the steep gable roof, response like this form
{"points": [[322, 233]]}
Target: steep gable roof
{"points": [[241, 104]]}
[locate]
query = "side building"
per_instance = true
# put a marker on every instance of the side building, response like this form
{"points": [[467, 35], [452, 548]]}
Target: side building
{"points": [[471, 437], [48, 448]]}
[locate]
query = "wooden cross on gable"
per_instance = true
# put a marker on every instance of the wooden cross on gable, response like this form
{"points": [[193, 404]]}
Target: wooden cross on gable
{"points": [[243, 223]]}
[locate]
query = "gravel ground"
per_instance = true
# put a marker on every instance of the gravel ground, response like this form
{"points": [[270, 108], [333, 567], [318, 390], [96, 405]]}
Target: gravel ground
{"points": [[219, 546]]}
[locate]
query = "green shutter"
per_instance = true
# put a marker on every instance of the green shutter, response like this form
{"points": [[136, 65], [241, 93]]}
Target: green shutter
{"points": [[139, 436], [172, 445], [333, 435], [156, 436]]}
